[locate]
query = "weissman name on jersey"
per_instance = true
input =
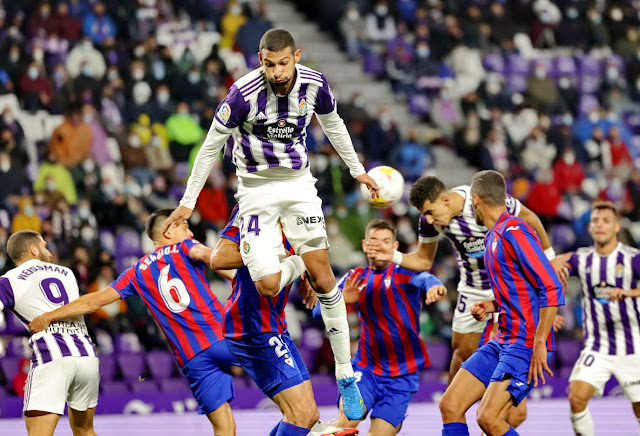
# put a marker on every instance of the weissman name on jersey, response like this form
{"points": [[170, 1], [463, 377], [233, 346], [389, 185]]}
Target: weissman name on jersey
{"points": [[610, 327]]}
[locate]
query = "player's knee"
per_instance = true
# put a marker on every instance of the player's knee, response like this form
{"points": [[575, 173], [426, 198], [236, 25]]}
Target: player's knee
{"points": [[516, 416], [269, 286], [448, 406], [578, 402], [486, 420], [325, 283], [306, 416]]}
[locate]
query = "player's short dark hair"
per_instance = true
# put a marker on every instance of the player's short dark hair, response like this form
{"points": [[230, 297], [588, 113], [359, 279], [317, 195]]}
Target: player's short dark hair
{"points": [[605, 205], [426, 188], [490, 186], [18, 244], [155, 221], [377, 224], [277, 40]]}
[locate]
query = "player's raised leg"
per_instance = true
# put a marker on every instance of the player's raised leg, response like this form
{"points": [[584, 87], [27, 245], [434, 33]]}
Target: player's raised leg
{"points": [[40, 423], [81, 421]]}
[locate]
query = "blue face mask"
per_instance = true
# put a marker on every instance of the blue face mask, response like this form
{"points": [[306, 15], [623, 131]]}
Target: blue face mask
{"points": [[194, 77], [32, 73]]}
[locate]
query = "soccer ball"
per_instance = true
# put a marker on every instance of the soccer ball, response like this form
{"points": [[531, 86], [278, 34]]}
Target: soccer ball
{"points": [[391, 185]]}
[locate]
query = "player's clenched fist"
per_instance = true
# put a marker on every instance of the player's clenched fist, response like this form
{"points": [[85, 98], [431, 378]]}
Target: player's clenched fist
{"points": [[435, 293], [479, 310], [39, 324]]}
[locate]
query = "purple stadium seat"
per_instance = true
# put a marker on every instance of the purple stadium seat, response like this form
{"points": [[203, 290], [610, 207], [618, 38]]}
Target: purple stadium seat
{"points": [[114, 387], [161, 364], [107, 367], [174, 384], [632, 120], [517, 83], [589, 83], [564, 65], [18, 347], [494, 62], [322, 379], [439, 355], [143, 386], [589, 65], [568, 351], [587, 102], [373, 64], [4, 392], [517, 65], [419, 104], [10, 366], [107, 240], [127, 343], [128, 243], [131, 365]]}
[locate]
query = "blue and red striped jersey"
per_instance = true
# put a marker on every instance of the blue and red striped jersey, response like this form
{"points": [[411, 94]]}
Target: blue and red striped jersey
{"points": [[246, 311], [488, 330], [389, 307], [522, 279], [176, 291]]}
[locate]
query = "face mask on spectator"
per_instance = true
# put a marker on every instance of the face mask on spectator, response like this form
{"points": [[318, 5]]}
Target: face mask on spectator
{"points": [[236, 10], [183, 111], [423, 52], [596, 19], [87, 118], [540, 73], [612, 73], [594, 117], [163, 97], [83, 212], [51, 185], [14, 56], [87, 233], [32, 72], [138, 51], [86, 70], [88, 166], [194, 77], [134, 141], [569, 158], [382, 10], [572, 13], [5, 166], [564, 82], [156, 141], [158, 73], [28, 210], [58, 75], [567, 119], [112, 75], [353, 14], [86, 45], [137, 74], [7, 118], [38, 55]]}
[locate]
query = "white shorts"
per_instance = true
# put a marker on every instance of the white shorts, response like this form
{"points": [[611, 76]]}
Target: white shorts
{"points": [[597, 368], [266, 205], [463, 321], [73, 380]]}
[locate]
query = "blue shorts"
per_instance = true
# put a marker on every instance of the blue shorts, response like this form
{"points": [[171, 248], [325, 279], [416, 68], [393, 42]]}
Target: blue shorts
{"points": [[386, 398], [496, 362], [272, 360], [209, 376]]}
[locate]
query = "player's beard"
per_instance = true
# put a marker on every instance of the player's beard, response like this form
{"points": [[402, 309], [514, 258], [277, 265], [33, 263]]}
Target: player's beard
{"points": [[44, 257], [281, 84]]}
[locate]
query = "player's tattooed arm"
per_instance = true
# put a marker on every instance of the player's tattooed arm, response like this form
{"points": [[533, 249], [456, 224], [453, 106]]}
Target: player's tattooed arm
{"points": [[226, 255], [82, 306]]}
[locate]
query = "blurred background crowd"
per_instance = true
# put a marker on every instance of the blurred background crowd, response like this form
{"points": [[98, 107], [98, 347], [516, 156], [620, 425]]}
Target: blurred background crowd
{"points": [[548, 93]]}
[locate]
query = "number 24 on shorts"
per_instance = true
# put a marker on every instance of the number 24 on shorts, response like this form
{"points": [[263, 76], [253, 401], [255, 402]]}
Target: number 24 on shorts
{"points": [[253, 227]]}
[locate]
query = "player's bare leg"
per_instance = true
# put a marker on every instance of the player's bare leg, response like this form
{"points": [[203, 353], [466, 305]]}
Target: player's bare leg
{"points": [[297, 406], [517, 415], [636, 411], [40, 423], [463, 344], [580, 393], [81, 422], [493, 407], [334, 315], [291, 268], [380, 427], [222, 421], [462, 393]]}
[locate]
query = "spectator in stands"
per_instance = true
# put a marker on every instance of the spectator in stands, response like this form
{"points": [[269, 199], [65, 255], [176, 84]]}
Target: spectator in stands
{"points": [[446, 113], [380, 24], [628, 45], [9, 122], [16, 151], [139, 104], [192, 89], [11, 178], [634, 193], [52, 176], [35, 90], [353, 30], [498, 152], [212, 201], [573, 30], [413, 158], [98, 25], [466, 63], [67, 26], [616, 156], [86, 87], [71, 140], [249, 34], [541, 90], [98, 149], [568, 172], [6, 84], [400, 71], [230, 23], [111, 111], [26, 218], [81, 267], [55, 49], [107, 317], [15, 62], [381, 136], [85, 53], [41, 23], [160, 197], [183, 133], [537, 153], [544, 197]]}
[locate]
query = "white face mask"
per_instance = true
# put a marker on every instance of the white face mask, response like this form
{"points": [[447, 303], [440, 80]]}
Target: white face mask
{"points": [[5, 165], [87, 118], [564, 82], [540, 73], [163, 97], [38, 55], [569, 159], [32, 73], [594, 117], [382, 10], [612, 73], [353, 14], [138, 74]]}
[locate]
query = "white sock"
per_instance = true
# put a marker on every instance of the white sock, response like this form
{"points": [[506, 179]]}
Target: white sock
{"points": [[291, 268], [582, 423], [334, 315]]}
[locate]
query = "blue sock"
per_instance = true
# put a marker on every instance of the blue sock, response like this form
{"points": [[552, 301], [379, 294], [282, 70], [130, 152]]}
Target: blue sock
{"points": [[274, 430], [288, 429], [455, 429], [512, 432]]}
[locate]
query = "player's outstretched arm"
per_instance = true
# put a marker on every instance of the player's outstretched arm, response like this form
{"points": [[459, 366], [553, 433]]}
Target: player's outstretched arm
{"points": [[420, 260], [480, 309], [538, 364], [226, 255], [84, 305]]}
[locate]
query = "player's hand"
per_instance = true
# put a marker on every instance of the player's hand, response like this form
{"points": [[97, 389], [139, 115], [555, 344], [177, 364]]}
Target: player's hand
{"points": [[435, 293], [375, 251], [177, 217], [560, 264], [616, 294], [39, 324], [309, 296], [538, 364], [366, 179], [353, 285], [558, 322], [479, 311]]}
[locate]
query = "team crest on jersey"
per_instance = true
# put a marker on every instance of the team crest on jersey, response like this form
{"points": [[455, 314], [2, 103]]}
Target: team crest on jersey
{"points": [[302, 107], [246, 247], [494, 243], [387, 282], [225, 112], [289, 361], [619, 270]]}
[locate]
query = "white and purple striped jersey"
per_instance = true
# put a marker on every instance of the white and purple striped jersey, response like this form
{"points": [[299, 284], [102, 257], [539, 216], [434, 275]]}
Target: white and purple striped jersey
{"points": [[609, 327], [468, 239], [36, 287]]}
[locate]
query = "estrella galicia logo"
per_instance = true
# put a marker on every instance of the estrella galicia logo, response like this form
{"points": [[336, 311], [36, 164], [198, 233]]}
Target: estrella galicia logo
{"points": [[309, 220], [474, 246], [281, 130], [600, 292]]}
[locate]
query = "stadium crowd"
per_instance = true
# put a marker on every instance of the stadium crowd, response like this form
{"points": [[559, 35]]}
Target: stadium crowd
{"points": [[529, 88]]}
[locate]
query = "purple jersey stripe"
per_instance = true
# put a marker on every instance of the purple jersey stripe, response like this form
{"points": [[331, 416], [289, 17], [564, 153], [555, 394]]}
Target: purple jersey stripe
{"points": [[267, 146], [252, 164], [302, 120], [44, 350], [243, 88], [283, 113], [624, 316], [594, 315], [253, 89], [611, 332], [80, 345], [310, 76], [6, 293], [64, 349], [311, 73]]}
